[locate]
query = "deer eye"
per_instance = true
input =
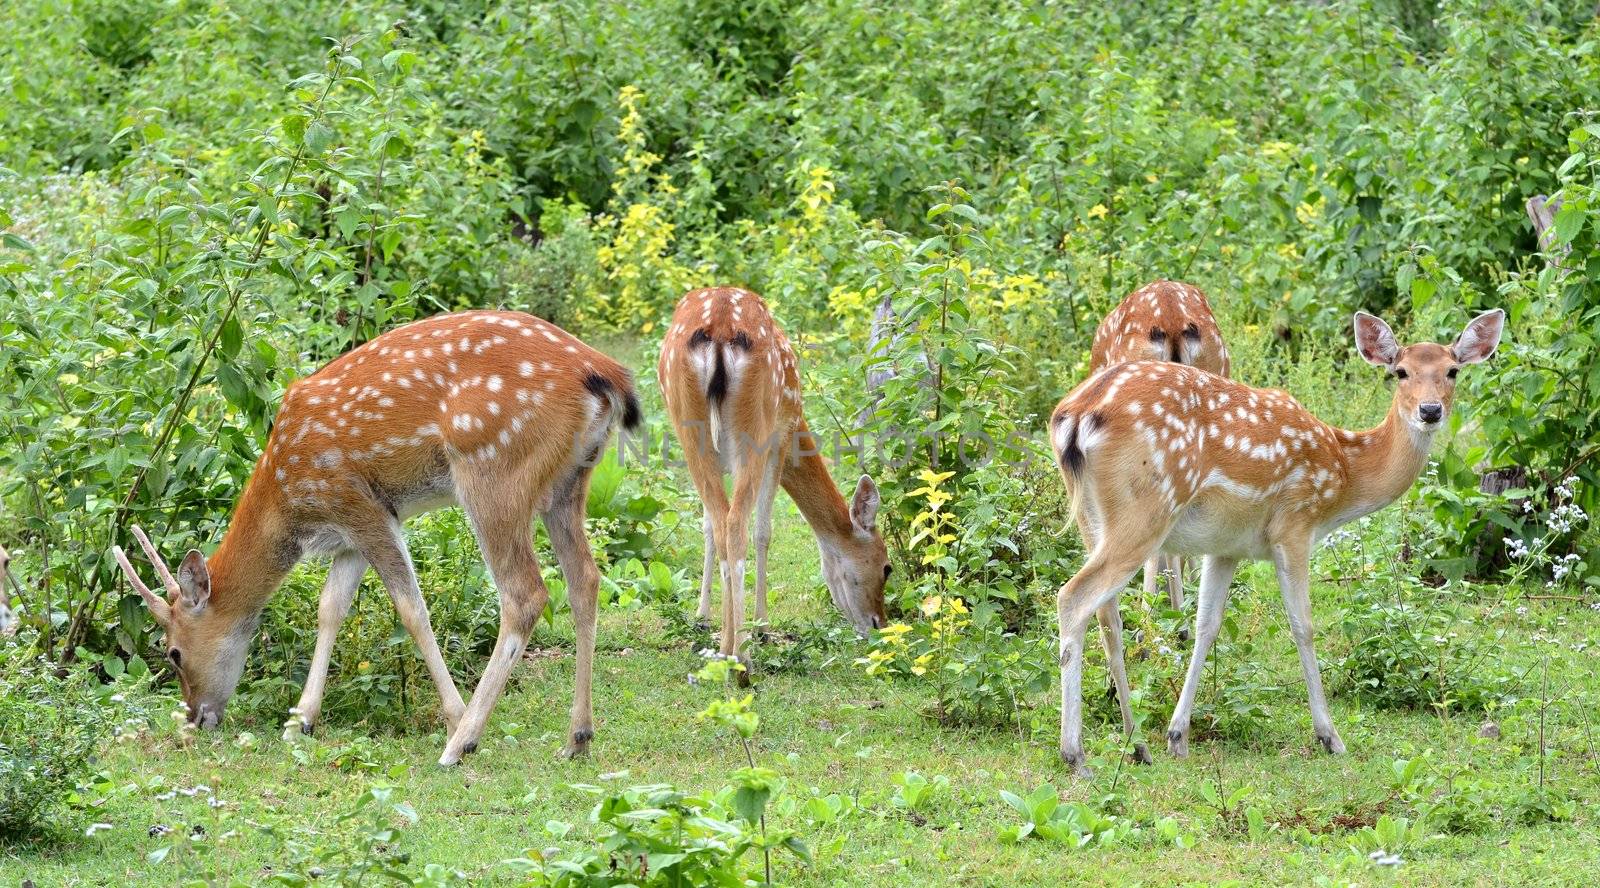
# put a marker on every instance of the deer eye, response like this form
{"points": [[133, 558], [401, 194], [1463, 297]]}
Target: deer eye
{"points": [[1451, 372], [1400, 373], [887, 569], [175, 657]]}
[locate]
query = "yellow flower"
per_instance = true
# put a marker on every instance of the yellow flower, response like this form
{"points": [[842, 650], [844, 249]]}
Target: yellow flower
{"points": [[894, 630], [957, 606], [1098, 211], [932, 604]]}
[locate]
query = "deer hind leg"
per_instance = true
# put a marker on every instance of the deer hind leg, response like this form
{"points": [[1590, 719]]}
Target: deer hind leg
{"points": [[735, 545], [344, 577], [1294, 580], [1215, 575], [564, 521], [763, 533], [705, 470], [708, 573], [501, 513], [1111, 637], [1093, 587], [385, 549]]}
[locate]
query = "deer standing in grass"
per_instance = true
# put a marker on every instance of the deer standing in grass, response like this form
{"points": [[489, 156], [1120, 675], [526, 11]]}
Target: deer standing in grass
{"points": [[1161, 457], [1161, 321], [8, 620], [732, 389], [499, 412]]}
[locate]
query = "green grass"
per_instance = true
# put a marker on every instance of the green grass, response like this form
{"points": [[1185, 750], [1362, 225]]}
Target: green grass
{"points": [[842, 732]]}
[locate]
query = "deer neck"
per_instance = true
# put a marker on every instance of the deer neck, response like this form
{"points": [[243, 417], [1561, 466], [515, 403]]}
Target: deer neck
{"points": [[255, 555], [1383, 461], [806, 480]]}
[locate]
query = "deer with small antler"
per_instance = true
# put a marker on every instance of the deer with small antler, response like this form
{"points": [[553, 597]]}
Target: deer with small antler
{"points": [[1161, 321], [1161, 457], [732, 389], [497, 411]]}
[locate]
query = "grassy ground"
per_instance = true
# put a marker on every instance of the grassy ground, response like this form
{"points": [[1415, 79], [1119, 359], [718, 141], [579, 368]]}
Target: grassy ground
{"points": [[841, 732]]}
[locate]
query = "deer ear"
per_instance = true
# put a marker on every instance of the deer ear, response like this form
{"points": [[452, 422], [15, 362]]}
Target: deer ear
{"points": [[194, 581], [864, 507], [1375, 340], [1481, 338]]}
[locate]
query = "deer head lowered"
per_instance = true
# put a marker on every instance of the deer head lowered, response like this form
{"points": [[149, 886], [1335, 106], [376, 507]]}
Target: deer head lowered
{"points": [[499, 412], [732, 389]]}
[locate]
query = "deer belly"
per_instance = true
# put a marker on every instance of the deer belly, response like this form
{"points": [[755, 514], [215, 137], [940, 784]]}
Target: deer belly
{"points": [[1208, 527]]}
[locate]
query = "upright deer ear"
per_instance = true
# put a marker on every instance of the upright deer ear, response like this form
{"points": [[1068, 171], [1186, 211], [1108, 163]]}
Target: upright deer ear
{"points": [[1481, 338], [194, 581], [864, 507], [1375, 340]]}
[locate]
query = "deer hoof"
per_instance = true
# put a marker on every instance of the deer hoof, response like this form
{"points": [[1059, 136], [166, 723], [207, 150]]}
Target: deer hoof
{"points": [[1331, 743], [1141, 754], [1178, 743], [579, 746]]}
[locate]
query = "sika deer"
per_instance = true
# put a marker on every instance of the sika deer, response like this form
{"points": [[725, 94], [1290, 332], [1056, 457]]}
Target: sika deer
{"points": [[497, 411], [8, 619], [1162, 321], [732, 389], [1166, 458]]}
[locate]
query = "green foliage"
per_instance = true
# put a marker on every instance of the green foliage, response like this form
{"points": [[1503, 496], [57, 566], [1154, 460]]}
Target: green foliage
{"points": [[52, 723], [1074, 824], [658, 836], [1406, 652]]}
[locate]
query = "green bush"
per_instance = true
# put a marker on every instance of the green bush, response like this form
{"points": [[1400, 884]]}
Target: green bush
{"points": [[659, 836], [52, 722], [1405, 653]]}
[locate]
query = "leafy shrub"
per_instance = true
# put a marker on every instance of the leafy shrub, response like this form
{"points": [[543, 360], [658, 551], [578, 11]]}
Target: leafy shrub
{"points": [[52, 722], [548, 279], [1076, 825], [981, 673], [1405, 653], [658, 836], [118, 32]]}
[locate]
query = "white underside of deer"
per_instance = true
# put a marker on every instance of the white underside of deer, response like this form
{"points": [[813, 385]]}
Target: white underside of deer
{"points": [[1164, 458], [499, 412]]}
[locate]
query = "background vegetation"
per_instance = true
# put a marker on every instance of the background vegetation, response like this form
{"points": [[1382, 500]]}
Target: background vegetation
{"points": [[202, 202]]}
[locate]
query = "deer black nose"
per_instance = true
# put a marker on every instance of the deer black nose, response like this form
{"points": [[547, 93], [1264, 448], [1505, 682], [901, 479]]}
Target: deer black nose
{"points": [[1431, 412]]}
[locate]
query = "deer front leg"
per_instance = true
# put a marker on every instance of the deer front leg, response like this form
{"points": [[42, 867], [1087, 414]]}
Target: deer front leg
{"points": [[1215, 576], [1294, 580], [344, 577]]}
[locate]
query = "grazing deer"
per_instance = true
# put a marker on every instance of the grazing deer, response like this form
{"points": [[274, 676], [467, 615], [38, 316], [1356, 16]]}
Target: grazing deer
{"points": [[497, 411], [1162, 457], [8, 620], [732, 389], [1162, 321]]}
